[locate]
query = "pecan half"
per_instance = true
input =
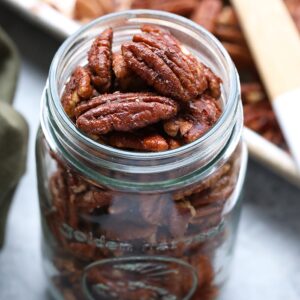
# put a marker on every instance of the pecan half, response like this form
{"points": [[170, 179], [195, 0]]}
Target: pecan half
{"points": [[100, 61], [77, 89], [151, 142], [124, 112], [168, 69], [199, 116]]}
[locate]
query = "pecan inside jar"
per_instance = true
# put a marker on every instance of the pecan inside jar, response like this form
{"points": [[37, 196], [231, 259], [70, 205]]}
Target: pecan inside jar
{"points": [[153, 81]]}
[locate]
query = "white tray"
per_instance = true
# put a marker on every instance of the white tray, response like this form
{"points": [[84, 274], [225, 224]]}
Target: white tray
{"points": [[259, 148]]}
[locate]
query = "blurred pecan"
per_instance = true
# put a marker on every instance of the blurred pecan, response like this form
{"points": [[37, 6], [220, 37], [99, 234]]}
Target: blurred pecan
{"points": [[240, 54], [179, 7], [154, 209], [148, 142], [170, 71], [206, 13], [261, 118], [294, 9], [198, 117], [230, 34], [77, 89], [119, 228], [252, 92], [124, 112], [126, 80], [228, 28], [228, 17], [86, 10], [206, 183], [100, 61], [82, 251], [179, 217]]}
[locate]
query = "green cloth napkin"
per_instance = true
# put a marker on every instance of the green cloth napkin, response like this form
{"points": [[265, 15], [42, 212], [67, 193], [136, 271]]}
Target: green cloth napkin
{"points": [[13, 130]]}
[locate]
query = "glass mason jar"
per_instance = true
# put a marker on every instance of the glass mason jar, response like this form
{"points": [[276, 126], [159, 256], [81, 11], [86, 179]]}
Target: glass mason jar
{"points": [[132, 225]]}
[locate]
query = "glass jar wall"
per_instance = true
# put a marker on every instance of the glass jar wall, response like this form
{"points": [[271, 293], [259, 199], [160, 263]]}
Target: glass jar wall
{"points": [[132, 225]]}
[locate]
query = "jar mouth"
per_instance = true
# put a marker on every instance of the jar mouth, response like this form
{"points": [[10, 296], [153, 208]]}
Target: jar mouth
{"points": [[228, 109]]}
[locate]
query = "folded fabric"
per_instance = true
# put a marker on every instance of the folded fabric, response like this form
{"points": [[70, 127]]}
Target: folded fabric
{"points": [[13, 130]]}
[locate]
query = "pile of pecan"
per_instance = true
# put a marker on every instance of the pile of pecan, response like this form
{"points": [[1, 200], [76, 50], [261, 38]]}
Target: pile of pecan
{"points": [[152, 95], [88, 223]]}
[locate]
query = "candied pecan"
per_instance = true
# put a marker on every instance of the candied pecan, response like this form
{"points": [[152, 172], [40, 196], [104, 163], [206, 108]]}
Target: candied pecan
{"points": [[149, 142], [82, 251], [206, 13], [87, 10], [252, 92], [230, 34], [214, 83], [179, 217], [240, 54], [169, 71], [122, 229], [91, 200], [173, 143], [154, 209], [124, 112], [77, 89], [206, 183], [126, 80], [100, 61], [228, 17], [174, 6], [199, 116]]}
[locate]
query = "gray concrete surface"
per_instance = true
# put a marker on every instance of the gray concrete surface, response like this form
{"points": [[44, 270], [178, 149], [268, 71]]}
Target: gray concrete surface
{"points": [[266, 265]]}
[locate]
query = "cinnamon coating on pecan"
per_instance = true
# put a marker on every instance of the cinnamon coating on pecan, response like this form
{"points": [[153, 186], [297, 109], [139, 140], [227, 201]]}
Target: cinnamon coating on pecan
{"points": [[100, 61], [195, 120], [149, 142], [169, 71], [125, 112], [77, 89]]}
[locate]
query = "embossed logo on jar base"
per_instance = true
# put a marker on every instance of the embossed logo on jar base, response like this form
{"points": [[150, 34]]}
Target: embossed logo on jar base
{"points": [[141, 277]]}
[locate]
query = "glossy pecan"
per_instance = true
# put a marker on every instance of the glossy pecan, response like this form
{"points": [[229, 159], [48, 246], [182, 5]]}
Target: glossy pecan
{"points": [[149, 142], [206, 13], [124, 112], [199, 116], [100, 61], [168, 69], [77, 89]]}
